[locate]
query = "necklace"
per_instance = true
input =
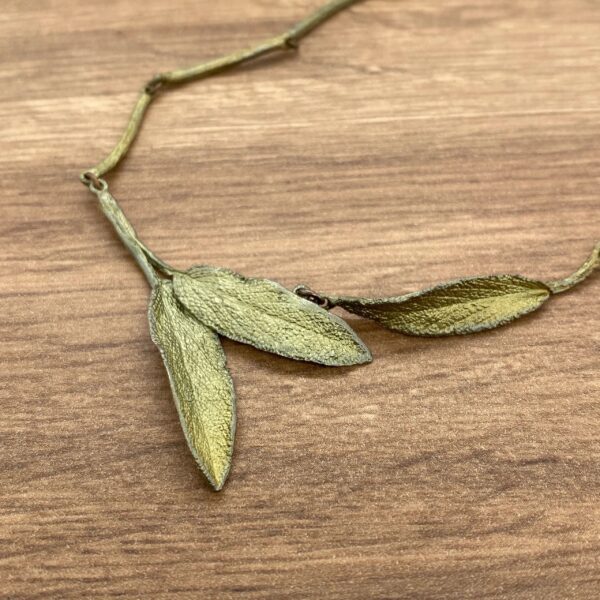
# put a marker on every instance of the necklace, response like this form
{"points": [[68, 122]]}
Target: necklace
{"points": [[190, 309]]}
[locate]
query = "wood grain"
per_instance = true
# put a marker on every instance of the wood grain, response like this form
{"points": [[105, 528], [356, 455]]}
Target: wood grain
{"points": [[407, 143]]}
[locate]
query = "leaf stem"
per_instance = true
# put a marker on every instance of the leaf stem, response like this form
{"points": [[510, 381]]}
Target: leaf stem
{"points": [[287, 41], [586, 269], [145, 258], [156, 261]]}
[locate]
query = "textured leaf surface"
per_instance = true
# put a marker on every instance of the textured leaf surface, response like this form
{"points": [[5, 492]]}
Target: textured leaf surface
{"points": [[201, 384], [266, 315], [457, 307]]}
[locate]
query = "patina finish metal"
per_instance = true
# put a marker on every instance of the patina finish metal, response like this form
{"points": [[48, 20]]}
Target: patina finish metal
{"points": [[289, 40], [190, 309]]}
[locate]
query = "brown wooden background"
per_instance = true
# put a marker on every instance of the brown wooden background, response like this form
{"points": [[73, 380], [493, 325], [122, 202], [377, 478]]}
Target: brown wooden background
{"points": [[408, 143]]}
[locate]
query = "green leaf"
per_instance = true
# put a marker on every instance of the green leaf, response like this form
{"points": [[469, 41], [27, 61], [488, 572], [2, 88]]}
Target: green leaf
{"points": [[457, 307], [200, 381], [264, 314]]}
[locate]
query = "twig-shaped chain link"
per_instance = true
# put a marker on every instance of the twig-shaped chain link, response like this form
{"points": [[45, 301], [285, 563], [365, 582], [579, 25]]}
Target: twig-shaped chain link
{"points": [[286, 41]]}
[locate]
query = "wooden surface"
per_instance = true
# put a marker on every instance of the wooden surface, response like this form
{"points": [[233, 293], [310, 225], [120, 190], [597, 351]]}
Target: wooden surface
{"points": [[407, 143]]}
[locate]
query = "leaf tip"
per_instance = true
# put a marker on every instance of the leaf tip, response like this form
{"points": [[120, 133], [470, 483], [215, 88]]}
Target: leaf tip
{"points": [[365, 357], [216, 474], [218, 486], [354, 352], [361, 356]]}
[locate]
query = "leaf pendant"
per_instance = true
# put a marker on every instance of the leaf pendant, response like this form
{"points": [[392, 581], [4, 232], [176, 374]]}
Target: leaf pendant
{"points": [[188, 311], [457, 307], [200, 381], [264, 314]]}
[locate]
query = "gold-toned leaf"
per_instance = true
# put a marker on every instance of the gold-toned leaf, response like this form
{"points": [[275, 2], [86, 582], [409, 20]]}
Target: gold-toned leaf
{"points": [[457, 307], [200, 381], [266, 315]]}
